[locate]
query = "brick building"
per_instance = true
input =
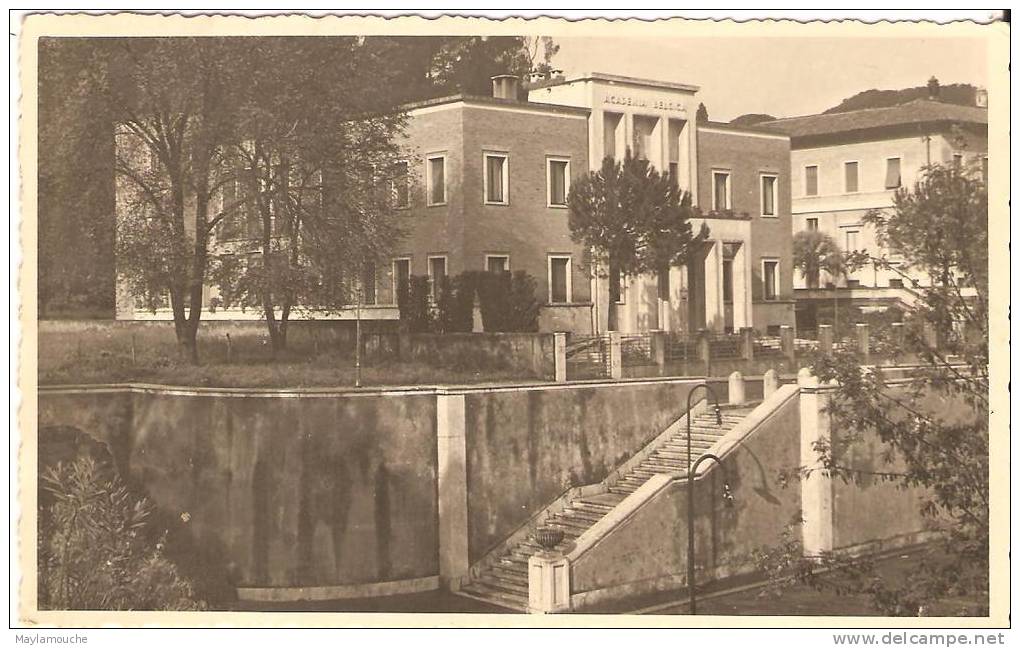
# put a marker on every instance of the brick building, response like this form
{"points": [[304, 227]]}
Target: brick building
{"points": [[487, 185]]}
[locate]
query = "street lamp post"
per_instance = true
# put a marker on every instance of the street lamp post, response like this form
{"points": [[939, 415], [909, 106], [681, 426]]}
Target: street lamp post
{"points": [[690, 481], [727, 496]]}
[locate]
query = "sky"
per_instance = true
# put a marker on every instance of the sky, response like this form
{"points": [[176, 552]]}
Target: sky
{"points": [[783, 77]]}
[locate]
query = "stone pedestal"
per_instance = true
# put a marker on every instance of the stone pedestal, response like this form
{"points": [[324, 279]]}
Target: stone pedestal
{"points": [[736, 389], [548, 583], [770, 383]]}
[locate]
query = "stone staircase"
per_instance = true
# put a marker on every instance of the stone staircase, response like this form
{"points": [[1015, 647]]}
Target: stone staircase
{"points": [[504, 582]]}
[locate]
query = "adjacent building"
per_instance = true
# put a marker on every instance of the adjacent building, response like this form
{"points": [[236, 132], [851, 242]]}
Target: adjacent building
{"points": [[845, 164]]}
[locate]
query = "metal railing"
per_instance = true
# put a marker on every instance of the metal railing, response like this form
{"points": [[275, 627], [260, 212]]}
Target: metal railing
{"points": [[587, 357], [636, 350]]}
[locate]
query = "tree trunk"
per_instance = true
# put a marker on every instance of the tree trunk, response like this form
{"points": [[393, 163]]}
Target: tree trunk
{"points": [[614, 297]]}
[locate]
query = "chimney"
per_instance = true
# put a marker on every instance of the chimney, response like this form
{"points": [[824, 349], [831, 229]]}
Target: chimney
{"points": [[505, 86]]}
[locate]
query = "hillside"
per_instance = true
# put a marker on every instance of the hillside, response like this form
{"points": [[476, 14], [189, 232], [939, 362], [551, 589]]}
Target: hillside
{"points": [[955, 93]]}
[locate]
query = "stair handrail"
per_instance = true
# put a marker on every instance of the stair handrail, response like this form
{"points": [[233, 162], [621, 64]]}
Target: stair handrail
{"points": [[645, 493]]}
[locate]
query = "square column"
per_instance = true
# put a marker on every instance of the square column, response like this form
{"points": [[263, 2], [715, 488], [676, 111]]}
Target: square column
{"points": [[715, 316], [741, 289]]}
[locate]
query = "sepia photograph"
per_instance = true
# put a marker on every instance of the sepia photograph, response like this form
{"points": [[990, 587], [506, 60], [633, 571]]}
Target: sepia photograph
{"points": [[529, 322]]}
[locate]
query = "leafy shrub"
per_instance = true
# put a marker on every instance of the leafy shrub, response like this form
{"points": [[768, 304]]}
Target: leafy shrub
{"points": [[413, 302], [507, 303], [98, 549]]}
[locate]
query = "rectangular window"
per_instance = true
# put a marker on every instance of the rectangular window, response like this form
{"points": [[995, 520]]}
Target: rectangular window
{"points": [[895, 283], [559, 279], [558, 172], [401, 278], [368, 285], [811, 180], [957, 160], [674, 174], [812, 224], [770, 278], [727, 281], [497, 179], [850, 177], [768, 194], [401, 186], [435, 180], [851, 240], [720, 190], [497, 263], [892, 173], [437, 273]]}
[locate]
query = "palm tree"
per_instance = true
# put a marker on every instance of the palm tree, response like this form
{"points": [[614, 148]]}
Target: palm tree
{"points": [[814, 251]]}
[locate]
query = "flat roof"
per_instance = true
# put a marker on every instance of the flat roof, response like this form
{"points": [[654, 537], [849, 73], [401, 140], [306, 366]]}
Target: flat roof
{"points": [[493, 101], [627, 80], [737, 130]]}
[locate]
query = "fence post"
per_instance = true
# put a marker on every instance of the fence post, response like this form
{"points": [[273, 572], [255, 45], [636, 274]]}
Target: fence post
{"points": [[615, 356], [657, 342], [825, 338], [863, 341], [560, 356], [816, 487], [736, 388], [786, 341], [705, 349], [747, 343], [769, 383]]}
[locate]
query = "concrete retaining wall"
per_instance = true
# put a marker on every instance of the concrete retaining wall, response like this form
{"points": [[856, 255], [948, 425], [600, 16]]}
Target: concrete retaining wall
{"points": [[325, 493], [526, 447], [306, 489]]}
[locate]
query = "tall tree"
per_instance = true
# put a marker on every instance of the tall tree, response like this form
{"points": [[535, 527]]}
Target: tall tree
{"points": [[172, 102], [940, 227], [633, 219], [76, 188], [317, 167]]}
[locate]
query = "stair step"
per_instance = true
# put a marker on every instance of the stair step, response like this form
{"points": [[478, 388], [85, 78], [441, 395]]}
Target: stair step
{"points": [[569, 520], [494, 582], [508, 599], [568, 530], [590, 515], [509, 575], [513, 563], [602, 499]]}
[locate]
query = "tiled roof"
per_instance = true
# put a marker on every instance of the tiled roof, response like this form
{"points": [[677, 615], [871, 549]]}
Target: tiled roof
{"points": [[912, 112]]}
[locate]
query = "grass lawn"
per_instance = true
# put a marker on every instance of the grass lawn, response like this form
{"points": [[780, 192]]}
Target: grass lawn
{"points": [[92, 356]]}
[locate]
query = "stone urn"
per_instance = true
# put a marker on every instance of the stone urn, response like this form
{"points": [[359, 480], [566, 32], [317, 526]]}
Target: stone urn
{"points": [[548, 537]]}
